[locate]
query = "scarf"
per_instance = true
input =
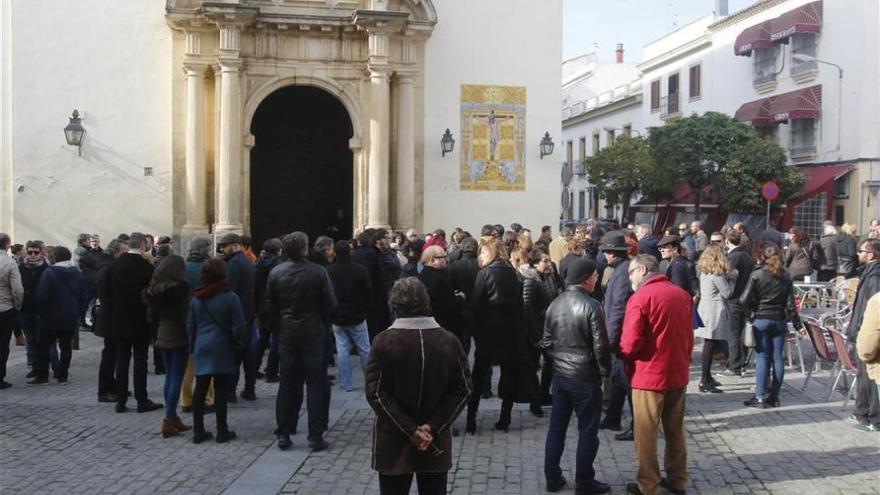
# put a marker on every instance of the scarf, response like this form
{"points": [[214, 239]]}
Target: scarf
{"points": [[209, 290], [198, 257], [64, 264], [34, 264]]}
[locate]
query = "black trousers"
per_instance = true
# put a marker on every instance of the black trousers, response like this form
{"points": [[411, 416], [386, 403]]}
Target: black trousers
{"points": [[620, 392], [246, 359], [107, 368], [546, 375], [45, 341], [222, 383], [428, 483], [737, 357], [709, 347], [298, 367], [8, 321], [867, 403], [125, 351]]}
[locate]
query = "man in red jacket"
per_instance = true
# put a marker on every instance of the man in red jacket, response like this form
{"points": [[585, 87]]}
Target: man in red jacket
{"points": [[657, 340]]}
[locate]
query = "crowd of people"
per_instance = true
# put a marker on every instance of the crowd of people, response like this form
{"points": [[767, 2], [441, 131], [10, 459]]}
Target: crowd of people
{"points": [[583, 322]]}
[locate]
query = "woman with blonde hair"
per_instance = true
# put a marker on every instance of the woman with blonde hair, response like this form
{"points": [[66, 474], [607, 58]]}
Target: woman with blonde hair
{"points": [[497, 305], [717, 282], [847, 251]]}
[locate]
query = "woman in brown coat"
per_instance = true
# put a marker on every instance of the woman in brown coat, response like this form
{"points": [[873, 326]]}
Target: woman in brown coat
{"points": [[417, 382]]}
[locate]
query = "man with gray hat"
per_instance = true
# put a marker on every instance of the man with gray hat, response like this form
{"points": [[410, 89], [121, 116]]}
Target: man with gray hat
{"points": [[615, 248], [577, 342], [679, 270]]}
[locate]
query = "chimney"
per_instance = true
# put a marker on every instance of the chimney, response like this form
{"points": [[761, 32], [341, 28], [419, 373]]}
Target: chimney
{"points": [[619, 53], [721, 8]]}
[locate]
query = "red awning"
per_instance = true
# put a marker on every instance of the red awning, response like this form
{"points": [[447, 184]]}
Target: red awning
{"points": [[804, 19], [801, 104], [819, 177], [757, 36], [756, 113]]}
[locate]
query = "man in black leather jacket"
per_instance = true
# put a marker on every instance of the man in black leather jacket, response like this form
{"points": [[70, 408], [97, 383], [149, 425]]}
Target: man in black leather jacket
{"points": [[742, 261], [298, 304], [575, 338]]}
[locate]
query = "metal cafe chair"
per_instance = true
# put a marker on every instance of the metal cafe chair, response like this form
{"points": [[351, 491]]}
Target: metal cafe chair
{"points": [[816, 335], [846, 366]]}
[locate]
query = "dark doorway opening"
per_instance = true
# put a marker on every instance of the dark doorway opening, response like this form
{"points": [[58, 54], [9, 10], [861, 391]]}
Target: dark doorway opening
{"points": [[301, 166]]}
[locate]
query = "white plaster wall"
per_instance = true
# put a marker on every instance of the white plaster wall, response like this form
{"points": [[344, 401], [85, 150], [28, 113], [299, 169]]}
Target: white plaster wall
{"points": [[849, 38], [480, 45], [111, 60]]}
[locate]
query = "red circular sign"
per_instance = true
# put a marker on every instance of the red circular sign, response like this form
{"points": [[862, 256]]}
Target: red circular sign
{"points": [[770, 190]]}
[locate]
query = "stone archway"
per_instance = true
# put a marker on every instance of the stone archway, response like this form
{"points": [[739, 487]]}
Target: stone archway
{"points": [[301, 172]]}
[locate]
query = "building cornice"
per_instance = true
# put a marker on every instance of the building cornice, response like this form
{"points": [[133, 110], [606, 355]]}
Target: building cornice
{"points": [[597, 112], [744, 14], [676, 53]]}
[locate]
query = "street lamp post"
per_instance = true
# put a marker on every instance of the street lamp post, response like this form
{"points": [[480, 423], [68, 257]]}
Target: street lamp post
{"points": [[800, 57]]}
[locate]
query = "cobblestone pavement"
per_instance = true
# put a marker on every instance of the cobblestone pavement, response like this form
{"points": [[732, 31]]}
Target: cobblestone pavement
{"points": [[57, 438]]}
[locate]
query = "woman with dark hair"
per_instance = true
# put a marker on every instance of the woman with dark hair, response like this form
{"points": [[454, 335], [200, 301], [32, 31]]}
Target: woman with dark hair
{"points": [[497, 306], [769, 296], [800, 255], [539, 290], [168, 295], [215, 324]]}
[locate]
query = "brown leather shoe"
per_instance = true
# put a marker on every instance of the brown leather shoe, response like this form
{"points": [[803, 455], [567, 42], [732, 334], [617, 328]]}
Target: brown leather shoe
{"points": [[168, 429], [179, 425]]}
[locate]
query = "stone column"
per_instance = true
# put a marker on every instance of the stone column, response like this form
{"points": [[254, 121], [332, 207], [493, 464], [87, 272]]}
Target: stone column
{"points": [[378, 176], [228, 172], [404, 172], [196, 171]]}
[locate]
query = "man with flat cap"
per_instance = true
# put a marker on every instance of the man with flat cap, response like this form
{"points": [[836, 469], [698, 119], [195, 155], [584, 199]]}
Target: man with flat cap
{"points": [[241, 274], [576, 340], [679, 270]]}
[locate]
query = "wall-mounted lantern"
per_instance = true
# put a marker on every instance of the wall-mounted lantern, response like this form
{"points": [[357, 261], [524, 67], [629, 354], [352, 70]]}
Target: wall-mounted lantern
{"points": [[447, 144], [75, 132], [546, 145]]}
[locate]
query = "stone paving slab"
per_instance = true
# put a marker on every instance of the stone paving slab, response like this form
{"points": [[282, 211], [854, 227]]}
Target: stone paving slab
{"points": [[57, 438]]}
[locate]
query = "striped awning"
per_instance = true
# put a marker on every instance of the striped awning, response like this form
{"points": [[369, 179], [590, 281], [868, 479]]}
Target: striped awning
{"points": [[757, 36], [805, 19], [756, 113], [801, 104]]}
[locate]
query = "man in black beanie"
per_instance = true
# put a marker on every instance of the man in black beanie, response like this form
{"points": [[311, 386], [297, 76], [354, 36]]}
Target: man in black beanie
{"points": [[576, 340]]}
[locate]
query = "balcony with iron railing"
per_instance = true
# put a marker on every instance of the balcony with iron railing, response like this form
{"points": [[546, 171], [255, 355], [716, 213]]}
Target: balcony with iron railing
{"points": [[670, 106]]}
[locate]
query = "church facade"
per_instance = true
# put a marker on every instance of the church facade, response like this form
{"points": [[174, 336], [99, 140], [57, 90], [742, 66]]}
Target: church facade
{"points": [[267, 116]]}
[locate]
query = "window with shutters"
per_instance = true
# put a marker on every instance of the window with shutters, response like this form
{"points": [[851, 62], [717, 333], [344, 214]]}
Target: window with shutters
{"points": [[596, 144], [655, 95], [694, 89]]}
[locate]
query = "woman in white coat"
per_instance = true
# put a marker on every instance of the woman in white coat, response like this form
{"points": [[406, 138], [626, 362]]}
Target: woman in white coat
{"points": [[717, 281]]}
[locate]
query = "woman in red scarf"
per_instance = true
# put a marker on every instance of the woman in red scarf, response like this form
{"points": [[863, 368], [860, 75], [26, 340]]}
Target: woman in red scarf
{"points": [[215, 327]]}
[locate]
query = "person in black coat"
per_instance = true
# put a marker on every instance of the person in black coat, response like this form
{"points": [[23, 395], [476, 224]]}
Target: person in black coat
{"points": [[131, 274], [496, 302], [648, 242], [351, 284], [743, 262], [62, 298], [369, 257], [445, 305], [539, 290], [866, 414], [240, 274], [299, 304], [462, 274], [269, 259], [31, 269], [680, 271], [103, 321]]}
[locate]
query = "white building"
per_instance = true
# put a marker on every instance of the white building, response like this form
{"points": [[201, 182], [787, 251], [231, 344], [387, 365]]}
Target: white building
{"points": [[770, 65], [600, 100], [268, 116]]}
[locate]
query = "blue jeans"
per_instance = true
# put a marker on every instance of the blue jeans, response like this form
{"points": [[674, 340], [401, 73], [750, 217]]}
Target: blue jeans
{"points": [[348, 336], [585, 399], [175, 360], [769, 343], [301, 366], [29, 322]]}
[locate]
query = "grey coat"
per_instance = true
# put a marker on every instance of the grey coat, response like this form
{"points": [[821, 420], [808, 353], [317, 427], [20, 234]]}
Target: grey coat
{"points": [[715, 290]]}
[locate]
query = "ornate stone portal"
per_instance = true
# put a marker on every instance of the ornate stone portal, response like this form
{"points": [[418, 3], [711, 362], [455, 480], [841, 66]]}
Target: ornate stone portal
{"points": [[234, 53]]}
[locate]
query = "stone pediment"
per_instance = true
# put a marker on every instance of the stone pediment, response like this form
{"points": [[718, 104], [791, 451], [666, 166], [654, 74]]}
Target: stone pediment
{"points": [[421, 12]]}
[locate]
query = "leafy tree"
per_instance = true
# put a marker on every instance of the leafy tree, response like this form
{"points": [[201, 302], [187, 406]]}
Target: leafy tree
{"points": [[699, 148], [754, 163], [623, 169]]}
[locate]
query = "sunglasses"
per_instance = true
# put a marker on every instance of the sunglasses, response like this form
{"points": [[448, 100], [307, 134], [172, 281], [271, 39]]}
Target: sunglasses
{"points": [[33, 253]]}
